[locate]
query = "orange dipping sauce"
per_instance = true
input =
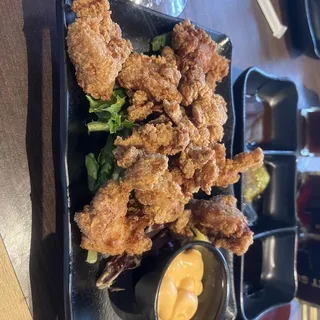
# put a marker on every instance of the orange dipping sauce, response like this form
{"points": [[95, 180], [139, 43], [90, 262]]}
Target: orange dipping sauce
{"points": [[181, 286]]}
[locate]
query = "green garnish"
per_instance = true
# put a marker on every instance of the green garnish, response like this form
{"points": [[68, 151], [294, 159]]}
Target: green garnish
{"points": [[92, 257], [109, 113], [100, 169], [159, 42]]}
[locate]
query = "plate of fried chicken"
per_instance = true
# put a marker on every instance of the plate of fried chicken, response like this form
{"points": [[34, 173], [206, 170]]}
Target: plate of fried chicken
{"points": [[158, 90]]}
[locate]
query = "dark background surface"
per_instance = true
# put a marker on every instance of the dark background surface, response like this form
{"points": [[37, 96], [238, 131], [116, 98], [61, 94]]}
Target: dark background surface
{"points": [[31, 223]]}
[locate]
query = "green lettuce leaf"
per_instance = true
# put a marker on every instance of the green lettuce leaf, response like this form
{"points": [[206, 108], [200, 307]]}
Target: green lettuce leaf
{"points": [[159, 42], [112, 125], [100, 169], [92, 166], [109, 114]]}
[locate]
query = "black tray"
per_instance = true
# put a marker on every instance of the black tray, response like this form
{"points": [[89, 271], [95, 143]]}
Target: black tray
{"points": [[83, 300], [266, 274]]}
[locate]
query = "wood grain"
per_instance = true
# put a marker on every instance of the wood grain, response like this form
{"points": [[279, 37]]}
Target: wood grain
{"points": [[12, 302], [30, 215]]}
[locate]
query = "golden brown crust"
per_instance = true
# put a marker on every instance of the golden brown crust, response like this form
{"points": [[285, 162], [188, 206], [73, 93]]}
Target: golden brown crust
{"points": [[96, 48], [221, 221], [157, 138], [230, 169], [153, 75]]}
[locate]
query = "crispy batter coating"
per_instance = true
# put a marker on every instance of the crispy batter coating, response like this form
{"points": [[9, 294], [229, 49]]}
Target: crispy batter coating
{"points": [[91, 8], [157, 138], [205, 167], [194, 158], [105, 225], [169, 55], [229, 169], [209, 110], [207, 175], [154, 75], [218, 70], [180, 226], [192, 82], [126, 157], [215, 133], [195, 48], [173, 110], [96, 48], [221, 221], [146, 171], [188, 186], [140, 107], [164, 202]]}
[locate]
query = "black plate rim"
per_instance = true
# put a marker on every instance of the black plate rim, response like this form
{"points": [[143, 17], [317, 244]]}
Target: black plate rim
{"points": [[63, 144]]}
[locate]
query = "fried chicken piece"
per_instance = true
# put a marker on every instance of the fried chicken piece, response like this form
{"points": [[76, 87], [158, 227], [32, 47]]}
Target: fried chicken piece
{"points": [[194, 134], [169, 55], [146, 171], [221, 221], [229, 169], [207, 175], [126, 157], [96, 48], [220, 154], [188, 186], [140, 107], [163, 118], [209, 110], [91, 8], [215, 133], [218, 70], [195, 169], [173, 110], [195, 47], [104, 226], [177, 174], [194, 158], [192, 82], [157, 138], [207, 167], [180, 226], [164, 202], [154, 75]]}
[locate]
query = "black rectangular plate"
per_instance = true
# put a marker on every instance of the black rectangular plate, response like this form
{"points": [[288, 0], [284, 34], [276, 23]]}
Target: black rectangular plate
{"points": [[139, 25]]}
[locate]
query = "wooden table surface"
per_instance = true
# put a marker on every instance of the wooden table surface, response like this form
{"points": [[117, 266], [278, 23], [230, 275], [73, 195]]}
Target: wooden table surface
{"points": [[31, 222]]}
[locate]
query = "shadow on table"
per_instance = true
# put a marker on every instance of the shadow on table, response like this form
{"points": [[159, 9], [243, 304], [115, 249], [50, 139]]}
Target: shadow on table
{"points": [[42, 142]]}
